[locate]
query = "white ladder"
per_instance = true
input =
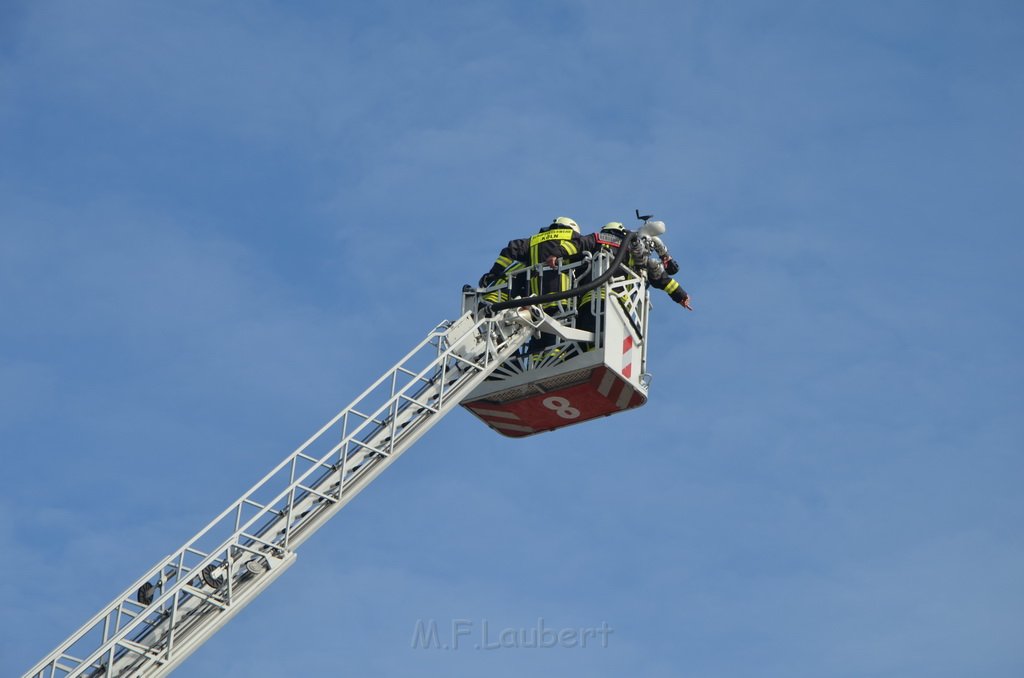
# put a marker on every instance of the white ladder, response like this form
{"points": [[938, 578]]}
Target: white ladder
{"points": [[185, 598]]}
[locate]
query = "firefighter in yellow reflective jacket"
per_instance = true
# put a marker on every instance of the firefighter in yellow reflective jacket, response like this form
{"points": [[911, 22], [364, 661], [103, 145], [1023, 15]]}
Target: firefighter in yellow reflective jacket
{"points": [[546, 247], [555, 240]]}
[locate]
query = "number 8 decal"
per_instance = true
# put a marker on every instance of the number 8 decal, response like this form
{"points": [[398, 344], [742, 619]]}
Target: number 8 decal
{"points": [[561, 407]]}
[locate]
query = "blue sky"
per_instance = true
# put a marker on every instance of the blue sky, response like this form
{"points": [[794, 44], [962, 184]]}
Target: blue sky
{"points": [[220, 221]]}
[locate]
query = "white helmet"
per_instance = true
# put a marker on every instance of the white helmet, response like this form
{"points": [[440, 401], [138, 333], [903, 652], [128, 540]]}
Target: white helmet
{"points": [[565, 222], [652, 228]]}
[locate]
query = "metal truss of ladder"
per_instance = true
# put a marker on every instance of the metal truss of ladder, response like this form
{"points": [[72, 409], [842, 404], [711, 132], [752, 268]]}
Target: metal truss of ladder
{"points": [[184, 599]]}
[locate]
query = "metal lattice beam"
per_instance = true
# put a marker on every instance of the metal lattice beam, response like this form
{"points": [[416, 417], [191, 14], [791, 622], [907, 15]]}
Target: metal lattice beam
{"points": [[186, 597]]}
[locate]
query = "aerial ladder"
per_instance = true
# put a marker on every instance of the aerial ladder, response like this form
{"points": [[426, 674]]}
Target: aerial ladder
{"points": [[478, 361]]}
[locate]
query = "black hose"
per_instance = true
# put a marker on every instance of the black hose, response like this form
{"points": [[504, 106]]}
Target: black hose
{"points": [[576, 291]]}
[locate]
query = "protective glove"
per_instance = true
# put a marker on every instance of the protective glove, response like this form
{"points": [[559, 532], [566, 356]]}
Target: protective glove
{"points": [[671, 265], [487, 279]]}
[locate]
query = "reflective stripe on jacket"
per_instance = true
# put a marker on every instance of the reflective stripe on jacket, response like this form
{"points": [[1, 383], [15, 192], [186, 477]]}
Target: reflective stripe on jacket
{"points": [[541, 247]]}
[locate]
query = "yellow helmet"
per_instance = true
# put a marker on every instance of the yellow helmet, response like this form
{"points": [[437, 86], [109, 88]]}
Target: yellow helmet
{"points": [[565, 222]]}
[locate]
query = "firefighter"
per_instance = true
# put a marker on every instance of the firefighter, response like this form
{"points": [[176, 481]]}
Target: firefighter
{"points": [[659, 270], [660, 267], [553, 241], [556, 241], [547, 246]]}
